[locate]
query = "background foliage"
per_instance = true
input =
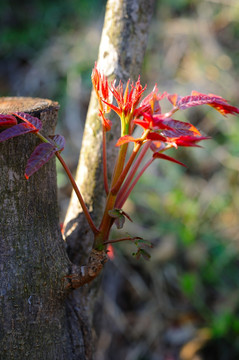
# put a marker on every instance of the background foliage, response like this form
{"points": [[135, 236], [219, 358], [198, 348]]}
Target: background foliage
{"points": [[186, 298]]}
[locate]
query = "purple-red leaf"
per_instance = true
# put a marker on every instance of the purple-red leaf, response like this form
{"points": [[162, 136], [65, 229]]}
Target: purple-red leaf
{"points": [[7, 121], [58, 141], [41, 155], [179, 128], [197, 98], [29, 119], [16, 130]]}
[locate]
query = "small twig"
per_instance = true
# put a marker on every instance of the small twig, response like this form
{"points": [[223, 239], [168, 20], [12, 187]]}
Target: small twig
{"points": [[78, 194], [122, 239]]}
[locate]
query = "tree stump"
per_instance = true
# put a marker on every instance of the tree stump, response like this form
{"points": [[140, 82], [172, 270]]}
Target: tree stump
{"points": [[33, 260]]}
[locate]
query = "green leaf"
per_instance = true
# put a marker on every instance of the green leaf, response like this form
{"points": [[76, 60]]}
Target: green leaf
{"points": [[143, 243], [141, 252], [115, 213]]}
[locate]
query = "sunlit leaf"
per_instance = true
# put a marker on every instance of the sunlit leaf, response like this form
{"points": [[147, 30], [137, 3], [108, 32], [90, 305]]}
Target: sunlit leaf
{"points": [[126, 139], [179, 128], [155, 122], [150, 104], [173, 98], [142, 122], [155, 137], [197, 98], [187, 141], [106, 122]]}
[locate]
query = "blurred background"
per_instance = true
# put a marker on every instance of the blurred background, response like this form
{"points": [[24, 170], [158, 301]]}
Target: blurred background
{"points": [[184, 302]]}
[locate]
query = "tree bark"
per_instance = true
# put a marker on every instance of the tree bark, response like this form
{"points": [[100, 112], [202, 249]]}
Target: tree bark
{"points": [[33, 259]]}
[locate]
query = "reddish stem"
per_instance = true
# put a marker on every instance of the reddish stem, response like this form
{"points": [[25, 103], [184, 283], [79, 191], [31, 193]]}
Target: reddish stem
{"points": [[116, 186], [124, 173], [78, 194], [119, 240], [127, 193], [105, 161], [132, 172]]}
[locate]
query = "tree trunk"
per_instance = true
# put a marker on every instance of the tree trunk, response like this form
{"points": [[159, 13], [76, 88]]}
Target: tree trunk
{"points": [[39, 318]]}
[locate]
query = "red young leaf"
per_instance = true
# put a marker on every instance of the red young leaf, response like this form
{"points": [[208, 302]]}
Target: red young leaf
{"points": [[155, 137], [29, 119], [173, 99], [7, 121], [187, 141], [101, 86], [150, 104], [166, 157], [41, 155], [126, 139], [156, 122], [106, 122], [179, 128], [196, 99], [160, 123], [127, 100], [58, 141], [142, 122], [16, 130]]}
